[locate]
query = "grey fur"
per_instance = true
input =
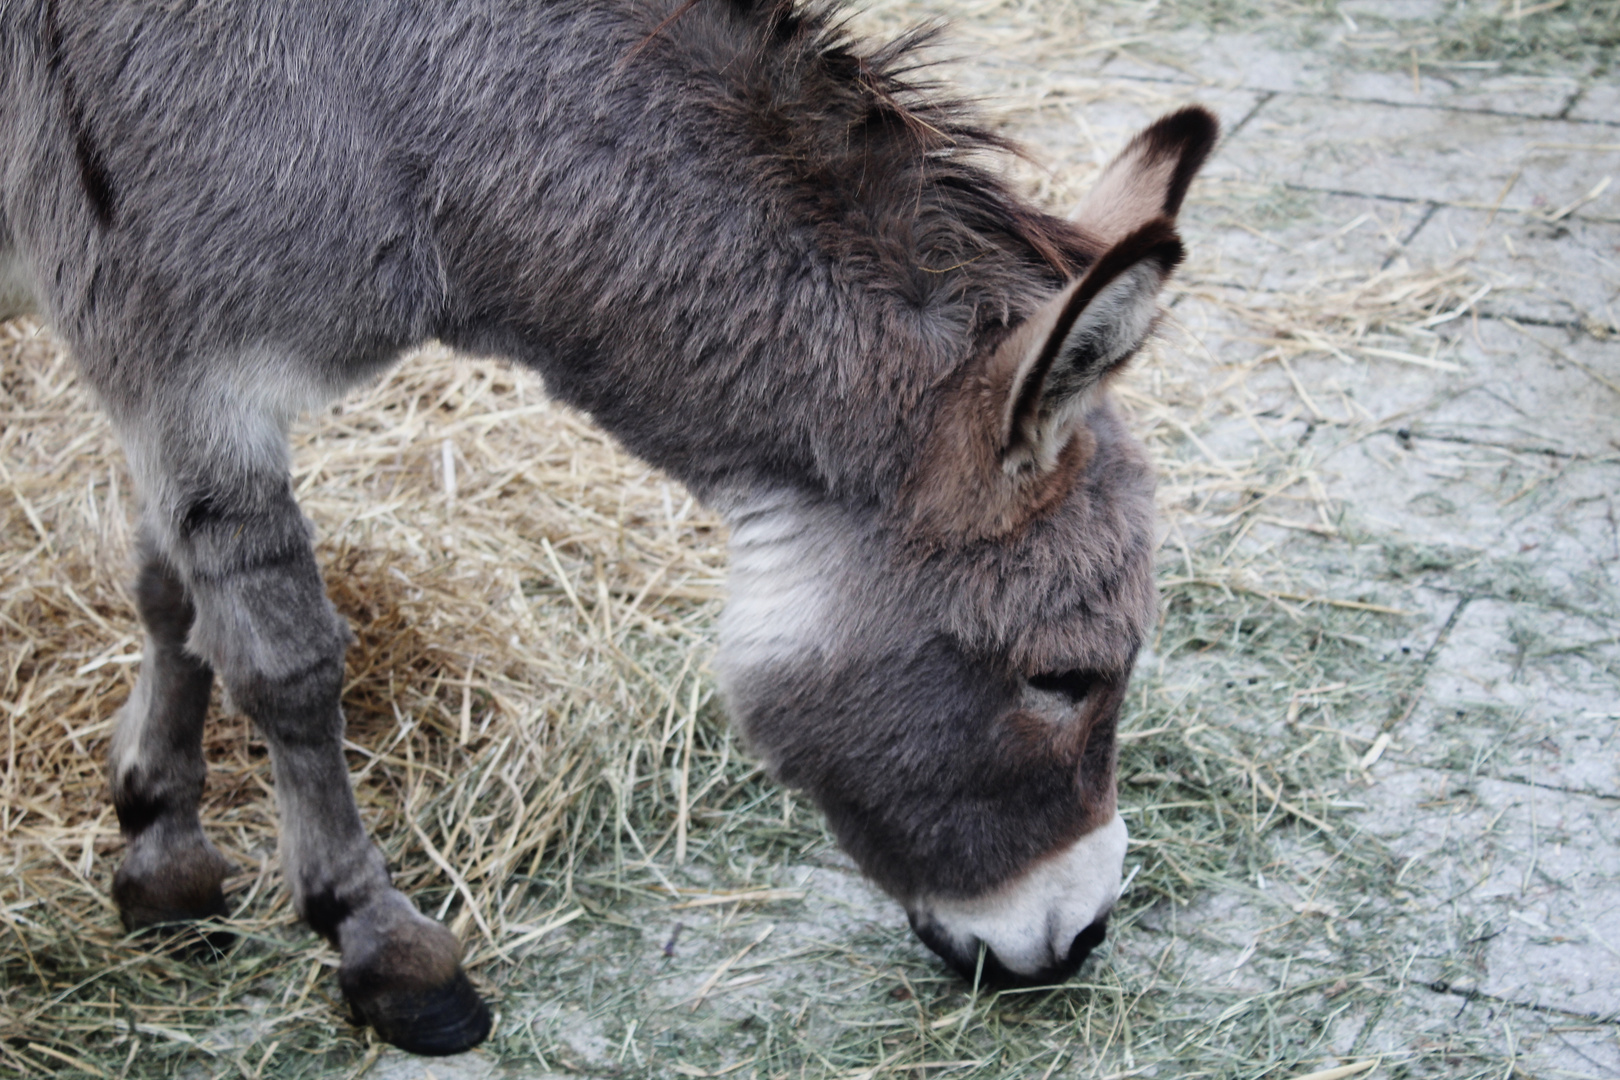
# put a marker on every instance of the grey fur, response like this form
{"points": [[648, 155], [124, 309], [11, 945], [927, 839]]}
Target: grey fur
{"points": [[16, 294], [233, 211]]}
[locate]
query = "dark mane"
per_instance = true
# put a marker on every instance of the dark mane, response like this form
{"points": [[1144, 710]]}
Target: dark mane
{"points": [[888, 173]]}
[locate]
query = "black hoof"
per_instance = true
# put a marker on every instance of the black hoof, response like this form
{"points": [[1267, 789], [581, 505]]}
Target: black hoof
{"points": [[994, 975], [441, 1020], [166, 889], [189, 939], [190, 933]]}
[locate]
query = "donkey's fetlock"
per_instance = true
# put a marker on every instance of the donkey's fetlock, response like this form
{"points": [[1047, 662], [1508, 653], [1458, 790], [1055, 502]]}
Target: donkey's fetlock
{"points": [[401, 974]]}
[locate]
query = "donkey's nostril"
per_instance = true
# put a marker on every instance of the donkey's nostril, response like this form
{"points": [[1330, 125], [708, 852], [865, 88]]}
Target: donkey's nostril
{"points": [[1085, 941]]}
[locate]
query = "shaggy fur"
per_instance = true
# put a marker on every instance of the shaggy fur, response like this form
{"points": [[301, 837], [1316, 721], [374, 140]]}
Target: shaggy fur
{"points": [[232, 211]]}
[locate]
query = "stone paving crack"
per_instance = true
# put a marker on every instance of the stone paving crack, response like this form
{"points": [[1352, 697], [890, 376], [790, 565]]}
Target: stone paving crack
{"points": [[1440, 986]]}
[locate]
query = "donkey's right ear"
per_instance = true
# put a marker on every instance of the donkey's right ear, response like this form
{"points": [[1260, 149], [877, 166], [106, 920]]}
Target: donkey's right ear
{"points": [[1008, 440], [1055, 363], [1150, 177]]}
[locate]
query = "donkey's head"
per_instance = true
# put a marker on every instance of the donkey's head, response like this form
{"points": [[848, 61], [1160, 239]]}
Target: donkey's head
{"points": [[944, 675]]}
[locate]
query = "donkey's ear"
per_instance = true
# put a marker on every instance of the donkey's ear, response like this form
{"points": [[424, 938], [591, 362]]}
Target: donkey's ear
{"points": [[1059, 358], [1150, 176]]}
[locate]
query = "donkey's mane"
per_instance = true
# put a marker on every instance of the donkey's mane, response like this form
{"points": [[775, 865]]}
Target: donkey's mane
{"points": [[887, 172]]}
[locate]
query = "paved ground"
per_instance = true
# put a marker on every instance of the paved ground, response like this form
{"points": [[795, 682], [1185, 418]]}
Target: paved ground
{"points": [[1466, 466]]}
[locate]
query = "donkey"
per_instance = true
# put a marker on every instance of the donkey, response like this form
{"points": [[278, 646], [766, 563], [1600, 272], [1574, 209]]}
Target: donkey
{"points": [[767, 258]]}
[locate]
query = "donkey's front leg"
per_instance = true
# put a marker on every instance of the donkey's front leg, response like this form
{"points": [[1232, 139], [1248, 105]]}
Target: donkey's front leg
{"points": [[170, 871], [264, 624]]}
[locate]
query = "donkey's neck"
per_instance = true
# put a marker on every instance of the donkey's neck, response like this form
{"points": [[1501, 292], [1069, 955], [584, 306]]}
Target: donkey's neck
{"points": [[765, 287], [785, 551]]}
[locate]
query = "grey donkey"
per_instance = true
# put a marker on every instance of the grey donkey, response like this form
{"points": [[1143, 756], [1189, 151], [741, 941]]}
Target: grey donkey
{"points": [[768, 258]]}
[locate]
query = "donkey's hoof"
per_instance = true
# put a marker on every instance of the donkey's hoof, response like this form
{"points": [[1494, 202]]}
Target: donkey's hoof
{"points": [[434, 1021], [160, 885], [402, 974]]}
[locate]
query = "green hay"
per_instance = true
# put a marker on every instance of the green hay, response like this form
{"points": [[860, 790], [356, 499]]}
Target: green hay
{"points": [[1500, 35]]}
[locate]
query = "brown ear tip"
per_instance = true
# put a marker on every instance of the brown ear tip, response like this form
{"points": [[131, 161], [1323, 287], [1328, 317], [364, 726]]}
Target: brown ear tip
{"points": [[1189, 134], [1157, 240], [1190, 125]]}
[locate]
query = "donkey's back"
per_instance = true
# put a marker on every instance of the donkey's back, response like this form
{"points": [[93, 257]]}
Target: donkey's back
{"points": [[648, 212]]}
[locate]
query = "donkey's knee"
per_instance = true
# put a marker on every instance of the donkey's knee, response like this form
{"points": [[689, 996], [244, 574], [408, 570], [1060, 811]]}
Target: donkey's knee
{"points": [[265, 625]]}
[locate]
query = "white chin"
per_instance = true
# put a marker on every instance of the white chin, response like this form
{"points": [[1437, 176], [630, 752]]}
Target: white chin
{"points": [[1031, 922]]}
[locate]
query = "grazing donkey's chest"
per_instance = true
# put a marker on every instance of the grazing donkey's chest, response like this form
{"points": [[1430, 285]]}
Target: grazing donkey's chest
{"points": [[751, 248]]}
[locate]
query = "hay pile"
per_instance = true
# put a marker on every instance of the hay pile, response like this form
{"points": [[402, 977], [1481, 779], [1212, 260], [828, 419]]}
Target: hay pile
{"points": [[532, 612]]}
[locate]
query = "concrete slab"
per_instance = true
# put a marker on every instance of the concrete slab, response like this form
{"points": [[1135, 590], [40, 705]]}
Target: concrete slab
{"points": [[1522, 914], [1255, 61], [1516, 709], [1566, 271], [1462, 158], [1283, 240], [1599, 102], [1510, 458]]}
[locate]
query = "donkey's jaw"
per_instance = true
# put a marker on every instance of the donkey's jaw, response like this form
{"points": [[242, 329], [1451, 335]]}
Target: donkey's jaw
{"points": [[1038, 928]]}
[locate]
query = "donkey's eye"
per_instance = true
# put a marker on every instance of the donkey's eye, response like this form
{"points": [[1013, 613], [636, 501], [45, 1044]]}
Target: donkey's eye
{"points": [[1074, 685]]}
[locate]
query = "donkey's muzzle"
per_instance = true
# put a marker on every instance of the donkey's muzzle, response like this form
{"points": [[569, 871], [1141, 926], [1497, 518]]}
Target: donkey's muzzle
{"points": [[991, 973], [1038, 928]]}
